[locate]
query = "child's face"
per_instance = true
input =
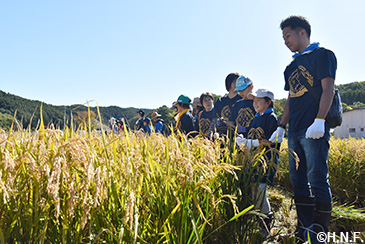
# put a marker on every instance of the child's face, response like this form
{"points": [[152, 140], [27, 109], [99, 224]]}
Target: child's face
{"points": [[179, 108], [208, 103], [260, 104], [245, 92]]}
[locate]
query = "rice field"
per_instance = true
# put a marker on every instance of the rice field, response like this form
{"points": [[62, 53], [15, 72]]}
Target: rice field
{"points": [[72, 187]]}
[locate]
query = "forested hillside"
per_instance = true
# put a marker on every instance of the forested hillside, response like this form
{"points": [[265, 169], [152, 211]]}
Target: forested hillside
{"points": [[28, 111], [352, 95]]}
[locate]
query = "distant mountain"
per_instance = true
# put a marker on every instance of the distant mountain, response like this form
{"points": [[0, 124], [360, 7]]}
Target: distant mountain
{"points": [[28, 111]]}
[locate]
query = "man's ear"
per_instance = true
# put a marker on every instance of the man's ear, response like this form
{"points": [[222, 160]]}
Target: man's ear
{"points": [[303, 33]]}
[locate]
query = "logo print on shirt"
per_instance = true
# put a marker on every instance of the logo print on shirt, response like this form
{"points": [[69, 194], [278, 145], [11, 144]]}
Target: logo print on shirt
{"points": [[297, 89], [245, 115], [226, 112], [256, 133], [204, 126]]}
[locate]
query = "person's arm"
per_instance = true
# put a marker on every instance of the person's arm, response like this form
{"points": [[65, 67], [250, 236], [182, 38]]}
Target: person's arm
{"points": [[285, 117], [278, 135], [317, 129], [328, 87], [212, 127]]}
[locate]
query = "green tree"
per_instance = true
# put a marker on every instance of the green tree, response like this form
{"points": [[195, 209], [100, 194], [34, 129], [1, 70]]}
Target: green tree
{"points": [[279, 107], [166, 113], [5, 121]]}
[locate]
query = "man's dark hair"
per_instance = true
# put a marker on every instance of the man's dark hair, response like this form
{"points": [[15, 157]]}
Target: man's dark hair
{"points": [[141, 112], [296, 22], [207, 94], [232, 77]]}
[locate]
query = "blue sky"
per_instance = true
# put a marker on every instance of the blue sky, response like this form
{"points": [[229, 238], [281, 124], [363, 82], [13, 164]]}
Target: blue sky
{"points": [[146, 53]]}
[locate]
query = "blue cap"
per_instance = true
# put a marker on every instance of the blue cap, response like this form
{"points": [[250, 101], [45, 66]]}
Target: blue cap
{"points": [[242, 83]]}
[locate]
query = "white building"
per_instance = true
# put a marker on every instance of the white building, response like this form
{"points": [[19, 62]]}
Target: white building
{"points": [[353, 124]]}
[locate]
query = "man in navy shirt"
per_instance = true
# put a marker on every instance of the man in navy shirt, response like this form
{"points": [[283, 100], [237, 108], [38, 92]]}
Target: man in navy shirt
{"points": [[308, 131]]}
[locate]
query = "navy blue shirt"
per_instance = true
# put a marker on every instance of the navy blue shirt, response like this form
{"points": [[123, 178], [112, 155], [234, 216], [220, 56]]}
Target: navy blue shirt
{"points": [[204, 120], [243, 112], [147, 129], [224, 105], [139, 123], [186, 123], [262, 127], [159, 126], [311, 68]]}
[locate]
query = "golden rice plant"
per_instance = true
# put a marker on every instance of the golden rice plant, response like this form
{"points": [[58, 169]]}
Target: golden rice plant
{"points": [[347, 169], [85, 186], [346, 163]]}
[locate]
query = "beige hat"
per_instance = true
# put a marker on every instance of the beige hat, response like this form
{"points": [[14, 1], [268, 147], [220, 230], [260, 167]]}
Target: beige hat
{"points": [[196, 101], [155, 115]]}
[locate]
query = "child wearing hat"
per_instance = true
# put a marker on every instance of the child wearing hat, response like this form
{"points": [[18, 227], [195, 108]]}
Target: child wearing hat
{"points": [[258, 133], [243, 110], [159, 122], [197, 108], [139, 122], [184, 119]]}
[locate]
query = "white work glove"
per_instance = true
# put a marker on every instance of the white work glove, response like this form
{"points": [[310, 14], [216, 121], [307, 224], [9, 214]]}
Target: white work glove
{"points": [[240, 140], [216, 135], [316, 130], [278, 135], [251, 143]]}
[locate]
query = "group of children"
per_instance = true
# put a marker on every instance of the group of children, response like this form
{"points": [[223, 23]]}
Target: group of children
{"points": [[249, 116]]}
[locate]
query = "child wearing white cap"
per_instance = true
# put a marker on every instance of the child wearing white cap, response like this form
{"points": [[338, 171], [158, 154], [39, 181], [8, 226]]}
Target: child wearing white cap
{"points": [[259, 131]]}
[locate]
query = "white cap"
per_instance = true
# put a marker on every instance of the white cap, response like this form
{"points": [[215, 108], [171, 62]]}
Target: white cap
{"points": [[262, 93]]}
